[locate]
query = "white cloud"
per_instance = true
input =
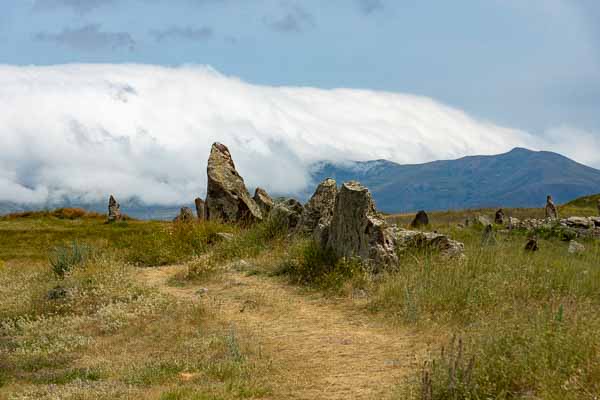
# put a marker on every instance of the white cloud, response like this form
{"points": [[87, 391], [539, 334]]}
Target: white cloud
{"points": [[137, 130]]}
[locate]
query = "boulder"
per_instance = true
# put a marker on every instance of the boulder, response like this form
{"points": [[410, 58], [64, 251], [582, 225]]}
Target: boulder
{"points": [[420, 220], [263, 201], [488, 237], [318, 212], [531, 245], [578, 222], [550, 210], [575, 247], [287, 212], [406, 239], [478, 220], [513, 222], [185, 215], [200, 209], [357, 230], [114, 210], [227, 198], [500, 217]]}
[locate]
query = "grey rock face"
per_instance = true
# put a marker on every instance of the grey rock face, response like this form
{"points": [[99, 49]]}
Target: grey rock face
{"points": [[200, 209], [550, 210], [185, 215], [579, 222], [479, 220], [227, 198], [114, 210], [576, 247], [263, 201], [287, 212], [406, 239], [420, 220], [500, 217], [318, 212], [357, 230]]}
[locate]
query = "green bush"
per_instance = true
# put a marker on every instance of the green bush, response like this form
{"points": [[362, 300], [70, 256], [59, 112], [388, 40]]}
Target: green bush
{"points": [[65, 258]]}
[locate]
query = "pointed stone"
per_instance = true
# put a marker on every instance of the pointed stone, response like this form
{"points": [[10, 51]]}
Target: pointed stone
{"points": [[550, 210], [263, 200], [318, 212], [114, 210], [500, 217], [227, 198]]}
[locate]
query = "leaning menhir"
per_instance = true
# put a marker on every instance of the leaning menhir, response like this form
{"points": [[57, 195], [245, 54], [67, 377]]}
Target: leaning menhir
{"points": [[550, 210], [227, 198], [114, 210]]}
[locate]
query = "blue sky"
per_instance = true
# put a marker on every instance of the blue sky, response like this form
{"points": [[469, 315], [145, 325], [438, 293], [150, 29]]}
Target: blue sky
{"points": [[531, 65]]}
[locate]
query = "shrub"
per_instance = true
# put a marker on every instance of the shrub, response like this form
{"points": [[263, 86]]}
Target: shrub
{"points": [[65, 258]]}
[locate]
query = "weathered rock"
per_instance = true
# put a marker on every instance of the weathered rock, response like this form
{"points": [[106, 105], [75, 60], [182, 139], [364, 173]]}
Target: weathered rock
{"points": [[550, 210], [478, 220], [263, 201], [357, 230], [532, 245], [287, 212], [406, 239], [598, 206], [200, 209], [420, 220], [114, 210], [579, 222], [513, 222], [227, 198], [185, 215], [488, 237], [576, 247], [500, 217], [318, 212]]}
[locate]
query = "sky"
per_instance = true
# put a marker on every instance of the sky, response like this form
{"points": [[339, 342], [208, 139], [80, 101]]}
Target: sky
{"points": [[292, 81]]}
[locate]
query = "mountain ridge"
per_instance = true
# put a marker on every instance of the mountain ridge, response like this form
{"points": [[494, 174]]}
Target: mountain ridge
{"points": [[518, 178]]}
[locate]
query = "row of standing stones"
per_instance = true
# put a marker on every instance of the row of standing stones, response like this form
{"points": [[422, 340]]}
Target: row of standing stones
{"points": [[343, 220]]}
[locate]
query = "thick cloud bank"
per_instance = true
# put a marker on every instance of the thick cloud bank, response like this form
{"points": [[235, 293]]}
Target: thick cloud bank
{"points": [[84, 131]]}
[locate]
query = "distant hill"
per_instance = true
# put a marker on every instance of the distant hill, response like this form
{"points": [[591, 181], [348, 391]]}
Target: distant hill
{"points": [[519, 178]]}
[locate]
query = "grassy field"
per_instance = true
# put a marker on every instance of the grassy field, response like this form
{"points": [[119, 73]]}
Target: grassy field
{"points": [[77, 322]]}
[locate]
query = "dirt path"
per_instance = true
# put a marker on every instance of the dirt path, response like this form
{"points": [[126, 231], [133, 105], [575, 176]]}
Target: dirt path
{"points": [[321, 349]]}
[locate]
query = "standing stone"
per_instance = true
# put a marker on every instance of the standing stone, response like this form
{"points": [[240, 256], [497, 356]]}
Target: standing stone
{"points": [[357, 230], [551, 211], [114, 210], [318, 212], [500, 217], [420, 220], [489, 237], [263, 200], [598, 206], [287, 212], [532, 245], [227, 198], [185, 215], [200, 209]]}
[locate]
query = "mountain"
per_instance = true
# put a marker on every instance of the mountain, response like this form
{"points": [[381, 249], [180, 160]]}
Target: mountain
{"points": [[519, 178]]}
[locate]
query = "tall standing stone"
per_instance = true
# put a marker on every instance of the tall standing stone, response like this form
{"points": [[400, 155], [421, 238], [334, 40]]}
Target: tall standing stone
{"points": [[227, 198], [185, 215], [263, 201], [551, 211], [318, 212], [200, 209], [114, 210], [357, 230], [420, 220], [598, 206]]}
